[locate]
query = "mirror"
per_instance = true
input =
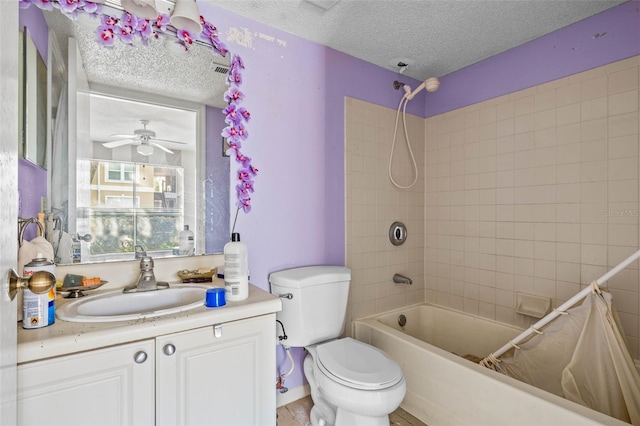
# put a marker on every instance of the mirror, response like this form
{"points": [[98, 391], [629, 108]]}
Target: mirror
{"points": [[144, 154], [32, 108]]}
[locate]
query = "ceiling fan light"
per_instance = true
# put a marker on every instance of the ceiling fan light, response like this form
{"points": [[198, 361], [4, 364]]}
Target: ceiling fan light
{"points": [[186, 16], [144, 149], [145, 9]]}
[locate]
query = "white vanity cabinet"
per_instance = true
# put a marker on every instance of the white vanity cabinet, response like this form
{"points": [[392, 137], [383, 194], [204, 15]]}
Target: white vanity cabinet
{"points": [[220, 374], [109, 386]]}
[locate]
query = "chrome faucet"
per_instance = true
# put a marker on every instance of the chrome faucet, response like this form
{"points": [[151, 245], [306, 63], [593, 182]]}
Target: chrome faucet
{"points": [[401, 279], [147, 280]]}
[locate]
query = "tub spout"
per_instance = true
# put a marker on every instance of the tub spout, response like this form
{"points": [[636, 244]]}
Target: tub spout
{"points": [[401, 279]]}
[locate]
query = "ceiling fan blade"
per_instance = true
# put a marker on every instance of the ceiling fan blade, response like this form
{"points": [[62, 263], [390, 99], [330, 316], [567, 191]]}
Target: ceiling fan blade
{"points": [[161, 147], [122, 136], [169, 141], [114, 144]]}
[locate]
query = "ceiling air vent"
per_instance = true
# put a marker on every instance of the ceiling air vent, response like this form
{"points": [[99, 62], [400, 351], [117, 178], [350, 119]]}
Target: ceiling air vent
{"points": [[221, 64]]}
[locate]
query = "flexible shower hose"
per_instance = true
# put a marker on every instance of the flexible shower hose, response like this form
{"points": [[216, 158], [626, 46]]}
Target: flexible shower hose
{"points": [[403, 105]]}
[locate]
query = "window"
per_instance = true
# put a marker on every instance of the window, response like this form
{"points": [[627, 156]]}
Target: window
{"points": [[129, 204], [120, 172]]}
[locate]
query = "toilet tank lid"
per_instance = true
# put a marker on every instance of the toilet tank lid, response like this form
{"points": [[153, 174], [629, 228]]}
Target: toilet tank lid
{"points": [[309, 276]]}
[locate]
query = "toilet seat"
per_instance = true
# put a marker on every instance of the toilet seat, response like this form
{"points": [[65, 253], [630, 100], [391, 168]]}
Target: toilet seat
{"points": [[357, 365]]}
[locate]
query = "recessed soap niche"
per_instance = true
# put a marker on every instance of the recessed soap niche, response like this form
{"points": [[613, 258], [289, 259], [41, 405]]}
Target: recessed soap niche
{"points": [[532, 306]]}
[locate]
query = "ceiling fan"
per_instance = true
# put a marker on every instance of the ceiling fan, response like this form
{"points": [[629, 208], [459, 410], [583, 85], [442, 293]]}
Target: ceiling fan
{"points": [[144, 138]]}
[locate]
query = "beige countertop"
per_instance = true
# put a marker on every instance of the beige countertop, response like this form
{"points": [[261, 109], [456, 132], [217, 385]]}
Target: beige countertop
{"points": [[64, 337]]}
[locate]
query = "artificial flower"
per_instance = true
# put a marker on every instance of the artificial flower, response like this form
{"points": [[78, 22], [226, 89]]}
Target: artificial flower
{"points": [[69, 7], [162, 21], [233, 95], [244, 113], [185, 36], [92, 8], [43, 4], [105, 35]]}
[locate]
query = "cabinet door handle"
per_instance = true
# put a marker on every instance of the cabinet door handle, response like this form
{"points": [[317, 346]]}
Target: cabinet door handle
{"points": [[169, 349], [140, 357]]}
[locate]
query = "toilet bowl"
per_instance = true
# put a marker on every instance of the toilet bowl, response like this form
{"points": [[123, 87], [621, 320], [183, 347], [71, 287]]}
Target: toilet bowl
{"points": [[351, 383], [359, 382]]}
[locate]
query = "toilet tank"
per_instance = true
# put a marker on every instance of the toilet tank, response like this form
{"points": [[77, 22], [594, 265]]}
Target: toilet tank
{"points": [[316, 310]]}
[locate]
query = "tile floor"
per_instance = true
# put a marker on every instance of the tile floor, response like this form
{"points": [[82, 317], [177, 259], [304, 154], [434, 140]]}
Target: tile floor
{"points": [[297, 414]]}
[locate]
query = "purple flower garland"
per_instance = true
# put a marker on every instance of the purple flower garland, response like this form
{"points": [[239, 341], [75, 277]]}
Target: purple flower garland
{"points": [[235, 133], [130, 27]]}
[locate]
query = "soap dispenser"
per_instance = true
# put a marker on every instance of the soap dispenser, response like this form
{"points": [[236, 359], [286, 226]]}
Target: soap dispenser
{"points": [[186, 242], [236, 269]]}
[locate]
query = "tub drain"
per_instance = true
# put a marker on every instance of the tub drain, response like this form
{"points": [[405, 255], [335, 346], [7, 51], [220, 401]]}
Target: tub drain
{"points": [[402, 320]]}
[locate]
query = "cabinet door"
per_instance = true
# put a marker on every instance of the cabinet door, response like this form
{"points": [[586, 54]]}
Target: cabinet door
{"points": [[111, 386], [218, 375]]}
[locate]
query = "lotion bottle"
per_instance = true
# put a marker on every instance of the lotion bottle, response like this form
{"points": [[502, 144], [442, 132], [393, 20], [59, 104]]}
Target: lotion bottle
{"points": [[186, 242], [236, 269]]}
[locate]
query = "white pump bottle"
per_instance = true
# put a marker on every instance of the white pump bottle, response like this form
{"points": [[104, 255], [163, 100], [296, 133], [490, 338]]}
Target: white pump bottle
{"points": [[236, 269]]}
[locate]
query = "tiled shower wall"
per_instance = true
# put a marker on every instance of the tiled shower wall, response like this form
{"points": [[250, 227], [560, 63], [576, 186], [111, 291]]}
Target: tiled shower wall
{"points": [[373, 204], [535, 192]]}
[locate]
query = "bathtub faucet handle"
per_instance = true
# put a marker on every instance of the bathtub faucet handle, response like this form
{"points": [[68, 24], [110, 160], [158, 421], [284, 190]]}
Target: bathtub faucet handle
{"points": [[401, 279]]}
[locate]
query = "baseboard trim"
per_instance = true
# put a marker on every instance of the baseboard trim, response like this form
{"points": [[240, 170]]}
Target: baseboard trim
{"points": [[292, 395]]}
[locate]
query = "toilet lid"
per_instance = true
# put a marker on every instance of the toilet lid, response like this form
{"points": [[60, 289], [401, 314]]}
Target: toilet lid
{"points": [[357, 365]]}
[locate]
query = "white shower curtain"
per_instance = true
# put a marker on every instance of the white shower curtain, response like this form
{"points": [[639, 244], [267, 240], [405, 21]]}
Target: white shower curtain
{"points": [[583, 357]]}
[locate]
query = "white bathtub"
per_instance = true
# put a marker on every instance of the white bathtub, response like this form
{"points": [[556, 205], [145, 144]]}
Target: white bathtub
{"points": [[445, 389]]}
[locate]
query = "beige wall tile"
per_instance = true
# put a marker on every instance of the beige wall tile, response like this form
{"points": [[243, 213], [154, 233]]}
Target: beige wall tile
{"points": [[623, 146], [568, 94], [594, 129], [593, 87], [569, 133], [623, 125], [536, 191], [593, 109], [622, 103], [623, 80], [568, 114], [524, 105], [545, 100]]}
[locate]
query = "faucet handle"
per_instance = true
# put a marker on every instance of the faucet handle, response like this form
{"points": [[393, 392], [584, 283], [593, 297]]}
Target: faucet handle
{"points": [[139, 251]]}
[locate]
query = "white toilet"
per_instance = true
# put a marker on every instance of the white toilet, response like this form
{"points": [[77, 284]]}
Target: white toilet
{"points": [[352, 383]]}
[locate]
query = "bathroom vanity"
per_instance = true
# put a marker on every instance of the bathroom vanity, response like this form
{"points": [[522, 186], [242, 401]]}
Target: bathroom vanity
{"points": [[210, 366]]}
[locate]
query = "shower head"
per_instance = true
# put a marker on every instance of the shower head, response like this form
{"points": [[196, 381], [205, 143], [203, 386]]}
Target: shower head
{"points": [[431, 84]]}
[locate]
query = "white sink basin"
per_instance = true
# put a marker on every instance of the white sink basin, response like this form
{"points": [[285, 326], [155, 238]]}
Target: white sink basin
{"points": [[117, 306]]}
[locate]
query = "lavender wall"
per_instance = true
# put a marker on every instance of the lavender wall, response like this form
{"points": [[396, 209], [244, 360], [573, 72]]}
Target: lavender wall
{"points": [[564, 52], [32, 179], [295, 92]]}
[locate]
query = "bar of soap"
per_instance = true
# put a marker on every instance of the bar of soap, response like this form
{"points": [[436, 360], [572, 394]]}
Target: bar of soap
{"points": [[72, 280]]}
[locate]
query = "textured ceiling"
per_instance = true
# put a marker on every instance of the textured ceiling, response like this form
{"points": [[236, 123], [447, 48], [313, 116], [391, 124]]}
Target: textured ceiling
{"points": [[199, 78], [434, 37], [151, 69]]}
